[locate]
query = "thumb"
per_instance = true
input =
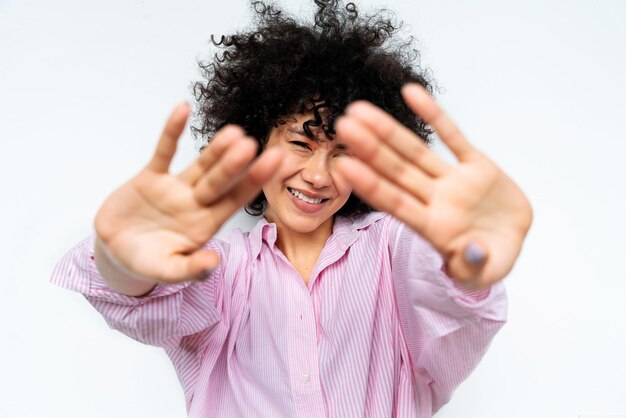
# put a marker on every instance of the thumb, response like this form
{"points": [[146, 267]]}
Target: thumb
{"points": [[194, 266], [474, 254], [467, 264]]}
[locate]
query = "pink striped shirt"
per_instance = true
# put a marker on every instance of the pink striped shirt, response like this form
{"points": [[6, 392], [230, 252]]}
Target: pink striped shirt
{"points": [[380, 330]]}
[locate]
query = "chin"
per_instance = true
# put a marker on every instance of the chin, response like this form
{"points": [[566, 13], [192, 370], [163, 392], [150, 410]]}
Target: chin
{"points": [[305, 226]]}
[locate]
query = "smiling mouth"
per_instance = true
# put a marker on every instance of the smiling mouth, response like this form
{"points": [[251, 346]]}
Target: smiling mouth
{"points": [[305, 198]]}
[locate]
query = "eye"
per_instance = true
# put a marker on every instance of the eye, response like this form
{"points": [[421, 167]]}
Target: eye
{"points": [[342, 151], [300, 144]]}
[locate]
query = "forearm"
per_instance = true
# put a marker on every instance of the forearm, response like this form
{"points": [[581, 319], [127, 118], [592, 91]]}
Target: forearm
{"points": [[116, 276]]}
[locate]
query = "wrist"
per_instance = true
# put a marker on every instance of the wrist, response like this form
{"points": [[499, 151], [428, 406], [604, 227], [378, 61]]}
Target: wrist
{"points": [[117, 276]]}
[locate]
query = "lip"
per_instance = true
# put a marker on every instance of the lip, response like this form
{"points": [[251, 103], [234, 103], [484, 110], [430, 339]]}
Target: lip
{"points": [[303, 206]]}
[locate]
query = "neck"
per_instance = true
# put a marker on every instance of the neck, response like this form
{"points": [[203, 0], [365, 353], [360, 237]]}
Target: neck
{"points": [[301, 245]]}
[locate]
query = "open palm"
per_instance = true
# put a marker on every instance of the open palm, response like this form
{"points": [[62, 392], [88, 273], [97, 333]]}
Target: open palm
{"points": [[156, 224], [471, 212]]}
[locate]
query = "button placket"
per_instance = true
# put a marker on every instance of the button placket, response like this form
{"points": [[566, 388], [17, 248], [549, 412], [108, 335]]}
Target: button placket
{"points": [[304, 358], [303, 331]]}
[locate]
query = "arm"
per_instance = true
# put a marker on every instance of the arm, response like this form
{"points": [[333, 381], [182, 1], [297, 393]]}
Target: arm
{"points": [[141, 269], [153, 228], [164, 316], [462, 226], [116, 276], [472, 213], [447, 328]]}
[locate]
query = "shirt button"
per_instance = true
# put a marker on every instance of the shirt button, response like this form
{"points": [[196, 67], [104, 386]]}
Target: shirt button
{"points": [[306, 378]]}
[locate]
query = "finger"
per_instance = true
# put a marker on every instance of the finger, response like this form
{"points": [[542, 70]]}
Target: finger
{"points": [[399, 137], [224, 173], [421, 102], [383, 159], [382, 194], [498, 258], [190, 266], [166, 147], [468, 264], [474, 254], [222, 140], [249, 185], [482, 261]]}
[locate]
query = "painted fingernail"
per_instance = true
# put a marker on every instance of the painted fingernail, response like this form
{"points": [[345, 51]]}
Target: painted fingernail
{"points": [[474, 254]]}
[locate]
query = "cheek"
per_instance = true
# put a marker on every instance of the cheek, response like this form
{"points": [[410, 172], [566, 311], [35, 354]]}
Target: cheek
{"points": [[286, 171], [342, 186], [289, 168]]}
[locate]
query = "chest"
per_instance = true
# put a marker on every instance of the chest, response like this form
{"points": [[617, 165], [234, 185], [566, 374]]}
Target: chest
{"points": [[344, 324], [328, 299], [304, 267]]}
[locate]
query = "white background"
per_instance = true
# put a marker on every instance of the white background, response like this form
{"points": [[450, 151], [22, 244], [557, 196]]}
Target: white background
{"points": [[537, 85]]}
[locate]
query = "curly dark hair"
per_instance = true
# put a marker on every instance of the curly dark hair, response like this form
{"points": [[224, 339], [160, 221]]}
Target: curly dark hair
{"points": [[282, 67]]}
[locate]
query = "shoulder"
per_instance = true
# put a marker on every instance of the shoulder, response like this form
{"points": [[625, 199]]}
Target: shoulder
{"points": [[395, 234], [374, 229]]}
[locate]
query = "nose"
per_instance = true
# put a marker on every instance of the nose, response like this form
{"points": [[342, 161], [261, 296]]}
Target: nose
{"points": [[315, 171]]}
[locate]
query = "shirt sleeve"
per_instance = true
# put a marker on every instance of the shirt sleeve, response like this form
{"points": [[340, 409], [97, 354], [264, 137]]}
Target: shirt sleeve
{"points": [[447, 329], [162, 317]]}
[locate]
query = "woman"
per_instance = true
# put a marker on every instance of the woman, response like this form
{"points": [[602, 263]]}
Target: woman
{"points": [[326, 308]]}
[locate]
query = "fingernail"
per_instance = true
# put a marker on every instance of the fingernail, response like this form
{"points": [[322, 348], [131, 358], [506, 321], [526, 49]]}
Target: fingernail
{"points": [[474, 254], [204, 275]]}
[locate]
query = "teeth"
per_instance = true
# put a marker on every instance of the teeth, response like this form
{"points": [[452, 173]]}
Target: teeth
{"points": [[303, 197]]}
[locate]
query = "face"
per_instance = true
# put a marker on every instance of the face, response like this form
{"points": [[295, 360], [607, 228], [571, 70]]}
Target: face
{"points": [[306, 191]]}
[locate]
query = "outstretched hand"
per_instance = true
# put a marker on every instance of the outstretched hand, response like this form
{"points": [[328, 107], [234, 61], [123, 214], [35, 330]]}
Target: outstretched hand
{"points": [[471, 212], [156, 224]]}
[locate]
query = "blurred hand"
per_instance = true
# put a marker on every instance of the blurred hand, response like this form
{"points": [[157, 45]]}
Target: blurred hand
{"points": [[156, 224], [471, 212]]}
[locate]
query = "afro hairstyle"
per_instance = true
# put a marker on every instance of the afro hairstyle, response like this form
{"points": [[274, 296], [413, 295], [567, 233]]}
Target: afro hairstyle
{"points": [[283, 66]]}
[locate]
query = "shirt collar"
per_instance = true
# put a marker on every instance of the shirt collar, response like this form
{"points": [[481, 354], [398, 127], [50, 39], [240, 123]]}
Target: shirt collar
{"points": [[262, 231], [345, 231]]}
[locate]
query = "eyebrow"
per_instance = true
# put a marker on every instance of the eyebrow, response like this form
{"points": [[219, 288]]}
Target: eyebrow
{"points": [[296, 131]]}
